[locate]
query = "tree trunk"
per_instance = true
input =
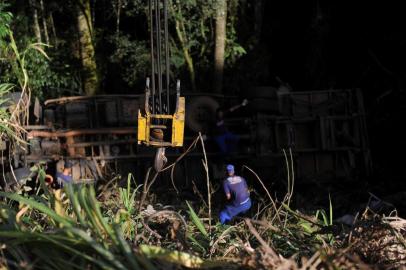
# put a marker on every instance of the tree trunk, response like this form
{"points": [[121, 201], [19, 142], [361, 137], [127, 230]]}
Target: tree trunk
{"points": [[44, 22], [180, 30], [51, 21], [220, 42], [118, 14], [259, 15], [90, 80], [182, 36], [36, 28]]}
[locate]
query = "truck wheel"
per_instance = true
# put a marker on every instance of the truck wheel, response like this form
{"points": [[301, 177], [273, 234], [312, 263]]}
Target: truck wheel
{"points": [[200, 112]]}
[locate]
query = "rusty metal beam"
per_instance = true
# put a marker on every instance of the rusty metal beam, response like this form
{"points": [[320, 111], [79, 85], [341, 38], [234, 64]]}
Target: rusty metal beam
{"points": [[64, 100], [37, 127], [80, 132], [96, 143]]}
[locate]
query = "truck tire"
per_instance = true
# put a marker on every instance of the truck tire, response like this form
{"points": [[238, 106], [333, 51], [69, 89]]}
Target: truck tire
{"points": [[200, 113]]}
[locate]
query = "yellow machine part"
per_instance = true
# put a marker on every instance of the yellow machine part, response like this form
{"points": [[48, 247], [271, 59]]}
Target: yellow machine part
{"points": [[178, 126], [143, 131]]}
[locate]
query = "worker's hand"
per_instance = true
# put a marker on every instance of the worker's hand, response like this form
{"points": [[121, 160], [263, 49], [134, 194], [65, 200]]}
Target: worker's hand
{"points": [[244, 102], [204, 137], [228, 195]]}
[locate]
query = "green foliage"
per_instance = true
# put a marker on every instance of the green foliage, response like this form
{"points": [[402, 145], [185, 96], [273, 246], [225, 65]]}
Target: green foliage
{"points": [[326, 220], [130, 8], [88, 240], [39, 206], [322, 215], [200, 241], [4, 112], [7, 43], [131, 57], [128, 197], [314, 230], [198, 223], [197, 17], [48, 76], [126, 216], [233, 49], [5, 19], [191, 27], [22, 58], [75, 233], [29, 64], [75, 229]]}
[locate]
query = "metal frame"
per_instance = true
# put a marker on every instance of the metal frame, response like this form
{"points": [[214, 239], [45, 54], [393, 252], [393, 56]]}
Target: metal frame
{"points": [[147, 122]]}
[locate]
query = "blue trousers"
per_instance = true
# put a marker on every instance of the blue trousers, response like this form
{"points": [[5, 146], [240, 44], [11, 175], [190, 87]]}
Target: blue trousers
{"points": [[227, 142], [231, 211]]}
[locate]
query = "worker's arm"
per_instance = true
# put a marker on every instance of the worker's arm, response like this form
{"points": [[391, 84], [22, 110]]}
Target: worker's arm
{"points": [[244, 102], [246, 186], [226, 189]]}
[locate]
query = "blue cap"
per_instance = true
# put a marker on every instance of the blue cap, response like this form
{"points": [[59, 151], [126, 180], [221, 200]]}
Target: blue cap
{"points": [[68, 164], [230, 168]]}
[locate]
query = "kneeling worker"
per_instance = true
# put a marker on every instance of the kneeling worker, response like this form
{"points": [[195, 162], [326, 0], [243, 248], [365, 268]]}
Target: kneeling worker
{"points": [[235, 186], [65, 177]]}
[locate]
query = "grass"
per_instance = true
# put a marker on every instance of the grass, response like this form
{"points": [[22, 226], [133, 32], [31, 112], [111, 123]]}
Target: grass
{"points": [[78, 231]]}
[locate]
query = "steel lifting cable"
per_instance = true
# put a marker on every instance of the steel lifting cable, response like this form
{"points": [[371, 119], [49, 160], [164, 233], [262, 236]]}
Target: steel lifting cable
{"points": [[159, 47], [152, 55], [159, 54], [166, 54]]}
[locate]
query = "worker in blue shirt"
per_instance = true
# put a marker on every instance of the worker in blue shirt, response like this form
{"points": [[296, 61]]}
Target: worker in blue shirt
{"points": [[65, 177], [235, 187]]}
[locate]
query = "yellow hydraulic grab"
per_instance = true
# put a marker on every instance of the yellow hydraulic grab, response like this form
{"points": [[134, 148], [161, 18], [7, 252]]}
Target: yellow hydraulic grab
{"points": [[153, 128]]}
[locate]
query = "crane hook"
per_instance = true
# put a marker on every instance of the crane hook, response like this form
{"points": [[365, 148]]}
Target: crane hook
{"points": [[160, 159]]}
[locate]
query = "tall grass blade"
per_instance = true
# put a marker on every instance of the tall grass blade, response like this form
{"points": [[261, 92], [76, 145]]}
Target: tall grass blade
{"points": [[39, 206], [331, 210], [196, 220], [96, 208], [95, 225], [126, 250], [70, 190], [105, 253]]}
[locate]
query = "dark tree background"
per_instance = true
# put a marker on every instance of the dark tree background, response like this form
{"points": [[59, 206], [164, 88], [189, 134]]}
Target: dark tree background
{"points": [[310, 45]]}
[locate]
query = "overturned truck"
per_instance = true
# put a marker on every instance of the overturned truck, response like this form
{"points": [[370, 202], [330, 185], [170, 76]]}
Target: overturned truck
{"points": [[325, 130]]}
